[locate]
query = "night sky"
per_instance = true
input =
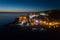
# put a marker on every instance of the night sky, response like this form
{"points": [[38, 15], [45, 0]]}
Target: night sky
{"points": [[30, 5]]}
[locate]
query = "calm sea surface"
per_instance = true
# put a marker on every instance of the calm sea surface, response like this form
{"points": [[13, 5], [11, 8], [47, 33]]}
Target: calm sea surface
{"points": [[6, 18]]}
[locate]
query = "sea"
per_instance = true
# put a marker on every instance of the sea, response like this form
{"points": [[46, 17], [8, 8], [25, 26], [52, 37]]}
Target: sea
{"points": [[8, 17]]}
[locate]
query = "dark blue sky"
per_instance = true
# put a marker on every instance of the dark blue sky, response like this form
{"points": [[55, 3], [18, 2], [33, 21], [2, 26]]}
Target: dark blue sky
{"points": [[29, 4]]}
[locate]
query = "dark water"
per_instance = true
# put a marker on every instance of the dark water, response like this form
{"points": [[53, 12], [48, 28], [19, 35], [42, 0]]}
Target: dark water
{"points": [[6, 18]]}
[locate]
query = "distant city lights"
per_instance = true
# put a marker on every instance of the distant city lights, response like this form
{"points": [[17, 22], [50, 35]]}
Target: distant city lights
{"points": [[34, 21]]}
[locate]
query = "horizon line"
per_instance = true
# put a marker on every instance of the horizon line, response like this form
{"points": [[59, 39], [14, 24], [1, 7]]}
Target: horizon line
{"points": [[19, 11]]}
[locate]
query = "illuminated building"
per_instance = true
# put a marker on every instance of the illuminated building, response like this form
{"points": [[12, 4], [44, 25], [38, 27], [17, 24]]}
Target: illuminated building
{"points": [[23, 18], [36, 20]]}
